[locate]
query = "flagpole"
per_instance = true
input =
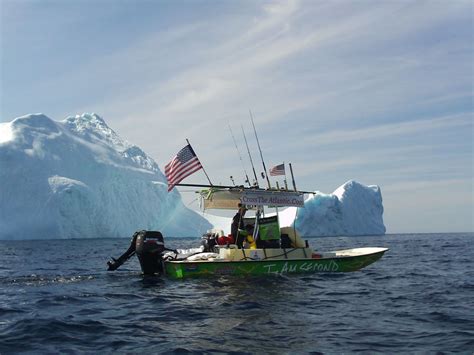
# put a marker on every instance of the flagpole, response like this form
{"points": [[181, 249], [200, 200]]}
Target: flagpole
{"points": [[204, 170]]}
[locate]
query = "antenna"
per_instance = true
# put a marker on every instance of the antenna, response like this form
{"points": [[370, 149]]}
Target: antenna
{"points": [[261, 155], [293, 178], [240, 156], [250, 156]]}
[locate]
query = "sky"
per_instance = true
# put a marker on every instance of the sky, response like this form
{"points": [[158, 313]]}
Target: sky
{"points": [[380, 92]]}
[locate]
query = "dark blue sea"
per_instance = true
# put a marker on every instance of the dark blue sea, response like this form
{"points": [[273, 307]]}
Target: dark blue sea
{"points": [[57, 297]]}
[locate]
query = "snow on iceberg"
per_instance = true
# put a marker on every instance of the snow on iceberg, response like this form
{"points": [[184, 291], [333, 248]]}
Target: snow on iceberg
{"points": [[78, 179], [6, 133], [352, 209]]}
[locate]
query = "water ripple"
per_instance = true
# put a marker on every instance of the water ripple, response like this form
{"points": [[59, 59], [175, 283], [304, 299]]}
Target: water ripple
{"points": [[416, 299]]}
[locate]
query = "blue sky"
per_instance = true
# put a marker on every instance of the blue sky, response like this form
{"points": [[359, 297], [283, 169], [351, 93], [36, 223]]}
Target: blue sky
{"points": [[376, 91]]}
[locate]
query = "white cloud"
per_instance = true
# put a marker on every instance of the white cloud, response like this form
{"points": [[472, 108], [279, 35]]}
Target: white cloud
{"points": [[338, 137]]}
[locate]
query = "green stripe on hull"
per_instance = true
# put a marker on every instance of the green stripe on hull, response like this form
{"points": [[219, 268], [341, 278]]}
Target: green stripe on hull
{"points": [[177, 269]]}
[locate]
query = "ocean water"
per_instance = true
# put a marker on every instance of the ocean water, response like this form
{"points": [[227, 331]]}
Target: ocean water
{"points": [[57, 297]]}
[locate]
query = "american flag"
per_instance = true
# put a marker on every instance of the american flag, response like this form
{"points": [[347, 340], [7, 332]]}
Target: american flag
{"points": [[278, 170], [183, 164]]}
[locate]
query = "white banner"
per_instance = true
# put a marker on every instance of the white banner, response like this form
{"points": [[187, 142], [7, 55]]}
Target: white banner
{"points": [[272, 198]]}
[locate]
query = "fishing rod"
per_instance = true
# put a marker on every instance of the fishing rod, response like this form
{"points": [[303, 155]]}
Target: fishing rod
{"points": [[261, 155], [216, 186], [240, 156], [250, 156]]}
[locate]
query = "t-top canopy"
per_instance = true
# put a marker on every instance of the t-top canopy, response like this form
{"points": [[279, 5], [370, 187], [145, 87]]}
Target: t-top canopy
{"points": [[231, 198]]}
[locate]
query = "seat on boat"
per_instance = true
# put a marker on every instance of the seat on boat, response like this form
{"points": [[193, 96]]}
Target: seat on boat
{"points": [[294, 236], [268, 233]]}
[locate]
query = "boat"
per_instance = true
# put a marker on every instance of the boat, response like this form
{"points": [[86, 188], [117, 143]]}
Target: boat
{"points": [[263, 247], [257, 245]]}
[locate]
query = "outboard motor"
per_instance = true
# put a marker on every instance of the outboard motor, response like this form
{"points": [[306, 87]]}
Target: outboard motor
{"points": [[149, 247], [114, 264]]}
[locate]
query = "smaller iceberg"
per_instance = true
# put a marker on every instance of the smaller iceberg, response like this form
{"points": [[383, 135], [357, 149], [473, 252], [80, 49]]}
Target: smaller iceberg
{"points": [[352, 209]]}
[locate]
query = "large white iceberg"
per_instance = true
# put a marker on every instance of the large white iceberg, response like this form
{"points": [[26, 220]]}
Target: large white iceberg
{"points": [[78, 179]]}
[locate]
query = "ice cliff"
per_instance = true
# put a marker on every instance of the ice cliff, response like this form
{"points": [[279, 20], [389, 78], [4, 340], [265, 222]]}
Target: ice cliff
{"points": [[78, 179]]}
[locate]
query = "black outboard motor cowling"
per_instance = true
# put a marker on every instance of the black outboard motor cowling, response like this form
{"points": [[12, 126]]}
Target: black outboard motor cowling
{"points": [[149, 248]]}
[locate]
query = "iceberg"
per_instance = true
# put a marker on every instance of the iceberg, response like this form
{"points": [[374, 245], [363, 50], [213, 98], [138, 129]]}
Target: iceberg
{"points": [[77, 178], [352, 209]]}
